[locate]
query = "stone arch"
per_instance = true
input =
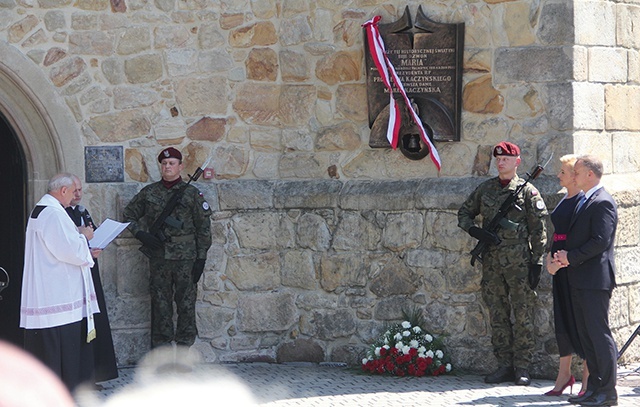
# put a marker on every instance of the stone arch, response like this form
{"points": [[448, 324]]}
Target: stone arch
{"points": [[41, 120]]}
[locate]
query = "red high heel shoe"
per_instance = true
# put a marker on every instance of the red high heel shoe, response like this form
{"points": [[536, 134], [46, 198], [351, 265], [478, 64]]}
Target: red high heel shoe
{"points": [[570, 382]]}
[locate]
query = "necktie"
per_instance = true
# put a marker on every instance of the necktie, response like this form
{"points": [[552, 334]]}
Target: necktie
{"points": [[580, 203]]}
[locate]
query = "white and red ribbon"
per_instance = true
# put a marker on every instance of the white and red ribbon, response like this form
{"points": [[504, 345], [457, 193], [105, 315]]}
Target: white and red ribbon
{"points": [[387, 71]]}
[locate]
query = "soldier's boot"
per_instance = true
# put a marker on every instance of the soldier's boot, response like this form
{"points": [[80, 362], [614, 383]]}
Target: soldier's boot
{"points": [[522, 377], [503, 374]]}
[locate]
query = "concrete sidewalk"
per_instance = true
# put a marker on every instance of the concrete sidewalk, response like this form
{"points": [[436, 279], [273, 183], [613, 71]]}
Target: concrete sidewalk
{"points": [[326, 385]]}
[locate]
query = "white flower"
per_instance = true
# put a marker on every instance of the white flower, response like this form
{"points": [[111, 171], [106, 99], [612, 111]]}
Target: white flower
{"points": [[397, 336], [429, 354], [406, 324], [422, 349], [413, 343], [421, 355], [428, 338], [448, 367], [386, 347], [416, 329], [386, 341], [406, 333], [439, 354], [405, 350], [365, 360], [399, 345], [377, 351]]}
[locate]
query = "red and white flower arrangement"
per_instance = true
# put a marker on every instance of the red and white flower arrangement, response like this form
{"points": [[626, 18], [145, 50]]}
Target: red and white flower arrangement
{"points": [[407, 349]]}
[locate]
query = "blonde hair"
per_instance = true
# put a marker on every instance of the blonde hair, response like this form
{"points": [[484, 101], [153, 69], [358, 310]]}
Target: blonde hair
{"points": [[569, 159]]}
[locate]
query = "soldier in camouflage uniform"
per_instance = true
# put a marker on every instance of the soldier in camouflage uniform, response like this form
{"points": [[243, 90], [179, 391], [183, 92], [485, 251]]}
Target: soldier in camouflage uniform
{"points": [[514, 256], [177, 263]]}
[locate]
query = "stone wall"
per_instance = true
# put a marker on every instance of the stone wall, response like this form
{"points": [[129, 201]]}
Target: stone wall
{"points": [[319, 239]]}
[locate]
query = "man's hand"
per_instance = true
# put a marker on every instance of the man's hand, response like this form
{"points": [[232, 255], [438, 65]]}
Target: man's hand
{"points": [[196, 271], [484, 235], [95, 253], [149, 240], [534, 275], [86, 231]]}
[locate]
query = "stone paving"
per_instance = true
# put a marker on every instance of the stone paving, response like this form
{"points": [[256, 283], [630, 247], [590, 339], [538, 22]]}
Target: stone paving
{"points": [[325, 385]]}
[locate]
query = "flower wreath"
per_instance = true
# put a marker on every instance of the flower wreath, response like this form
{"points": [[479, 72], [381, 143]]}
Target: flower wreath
{"points": [[407, 349]]}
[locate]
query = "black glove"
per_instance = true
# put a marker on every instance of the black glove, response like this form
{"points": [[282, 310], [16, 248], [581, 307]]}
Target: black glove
{"points": [[534, 275], [149, 240], [196, 271], [484, 235]]}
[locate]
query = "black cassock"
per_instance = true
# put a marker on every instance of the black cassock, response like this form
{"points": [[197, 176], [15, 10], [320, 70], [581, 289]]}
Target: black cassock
{"points": [[104, 354]]}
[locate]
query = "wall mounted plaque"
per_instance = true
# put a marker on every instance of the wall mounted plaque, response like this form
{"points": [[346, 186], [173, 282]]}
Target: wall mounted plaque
{"points": [[428, 58], [104, 164]]}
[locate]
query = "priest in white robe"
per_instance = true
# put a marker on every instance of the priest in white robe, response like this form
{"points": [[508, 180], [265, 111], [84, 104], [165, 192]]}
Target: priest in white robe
{"points": [[58, 296]]}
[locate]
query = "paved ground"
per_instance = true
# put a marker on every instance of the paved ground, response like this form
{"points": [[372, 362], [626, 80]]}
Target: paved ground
{"points": [[322, 385]]}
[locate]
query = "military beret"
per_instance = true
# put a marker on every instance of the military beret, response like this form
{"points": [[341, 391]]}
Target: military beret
{"points": [[506, 148], [169, 152]]}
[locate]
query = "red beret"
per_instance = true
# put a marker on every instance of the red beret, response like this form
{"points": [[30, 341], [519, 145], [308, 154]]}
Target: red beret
{"points": [[169, 153], [506, 148]]}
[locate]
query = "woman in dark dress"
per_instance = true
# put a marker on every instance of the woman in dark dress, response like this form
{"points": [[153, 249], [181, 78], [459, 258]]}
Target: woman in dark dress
{"points": [[565, 326]]}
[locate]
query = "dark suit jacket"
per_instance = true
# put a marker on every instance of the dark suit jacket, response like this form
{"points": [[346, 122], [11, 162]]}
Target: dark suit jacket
{"points": [[590, 242]]}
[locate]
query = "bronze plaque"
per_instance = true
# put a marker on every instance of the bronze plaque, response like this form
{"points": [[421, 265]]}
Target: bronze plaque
{"points": [[104, 164], [427, 57]]}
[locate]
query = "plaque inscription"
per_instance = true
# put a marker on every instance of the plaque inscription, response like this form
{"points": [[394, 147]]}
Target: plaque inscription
{"points": [[104, 164], [427, 57]]}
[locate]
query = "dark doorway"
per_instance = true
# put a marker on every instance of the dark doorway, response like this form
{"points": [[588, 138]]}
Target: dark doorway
{"points": [[13, 187]]}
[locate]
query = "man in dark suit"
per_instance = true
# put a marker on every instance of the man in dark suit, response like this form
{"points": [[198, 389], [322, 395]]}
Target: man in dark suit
{"points": [[589, 256]]}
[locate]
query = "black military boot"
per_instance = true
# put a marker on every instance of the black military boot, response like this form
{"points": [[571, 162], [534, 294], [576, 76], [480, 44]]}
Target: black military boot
{"points": [[503, 374], [522, 377]]}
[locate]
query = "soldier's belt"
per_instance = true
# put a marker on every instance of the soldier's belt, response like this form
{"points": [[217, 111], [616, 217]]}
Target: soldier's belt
{"points": [[181, 239], [509, 242]]}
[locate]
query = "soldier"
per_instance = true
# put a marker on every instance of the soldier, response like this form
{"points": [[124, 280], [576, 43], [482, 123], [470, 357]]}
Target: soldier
{"points": [[514, 252], [177, 258]]}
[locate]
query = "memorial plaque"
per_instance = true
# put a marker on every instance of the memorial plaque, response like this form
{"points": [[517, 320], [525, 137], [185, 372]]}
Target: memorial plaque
{"points": [[104, 164], [427, 57]]}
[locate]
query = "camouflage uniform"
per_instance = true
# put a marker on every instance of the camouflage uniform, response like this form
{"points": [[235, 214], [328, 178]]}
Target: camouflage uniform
{"points": [[505, 267], [170, 266]]}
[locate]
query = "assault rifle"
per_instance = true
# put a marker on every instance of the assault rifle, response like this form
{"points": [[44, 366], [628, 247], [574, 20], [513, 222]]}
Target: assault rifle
{"points": [[165, 216], [500, 219]]}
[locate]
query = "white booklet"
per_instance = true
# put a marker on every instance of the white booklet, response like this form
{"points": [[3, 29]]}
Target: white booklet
{"points": [[108, 231]]}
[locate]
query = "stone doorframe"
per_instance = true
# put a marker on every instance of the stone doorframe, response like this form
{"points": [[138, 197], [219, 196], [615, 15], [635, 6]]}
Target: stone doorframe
{"points": [[40, 118]]}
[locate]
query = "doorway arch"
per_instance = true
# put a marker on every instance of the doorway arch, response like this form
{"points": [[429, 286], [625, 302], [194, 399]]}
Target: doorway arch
{"points": [[41, 120], [42, 139]]}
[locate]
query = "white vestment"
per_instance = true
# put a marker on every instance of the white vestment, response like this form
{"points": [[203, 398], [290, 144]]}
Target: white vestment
{"points": [[57, 288]]}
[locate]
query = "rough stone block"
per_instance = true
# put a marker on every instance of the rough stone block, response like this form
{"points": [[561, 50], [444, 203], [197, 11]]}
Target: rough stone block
{"points": [[533, 64], [263, 312], [628, 33], [595, 23], [588, 106], [131, 346], [558, 100], [355, 233], [556, 25], [249, 194], [380, 195], [307, 194], [334, 324], [620, 102], [298, 270], [212, 321], [593, 142], [626, 149], [403, 231], [343, 271], [313, 233], [300, 350], [260, 272], [607, 64]]}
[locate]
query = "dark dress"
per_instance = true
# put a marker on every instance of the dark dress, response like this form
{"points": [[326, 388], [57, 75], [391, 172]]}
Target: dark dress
{"points": [[565, 324], [104, 353]]}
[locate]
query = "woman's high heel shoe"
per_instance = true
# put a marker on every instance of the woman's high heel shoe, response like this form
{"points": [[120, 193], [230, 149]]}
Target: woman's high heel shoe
{"points": [[570, 382]]}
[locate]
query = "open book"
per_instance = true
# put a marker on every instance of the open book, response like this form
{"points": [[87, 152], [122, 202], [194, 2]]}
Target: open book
{"points": [[108, 231]]}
